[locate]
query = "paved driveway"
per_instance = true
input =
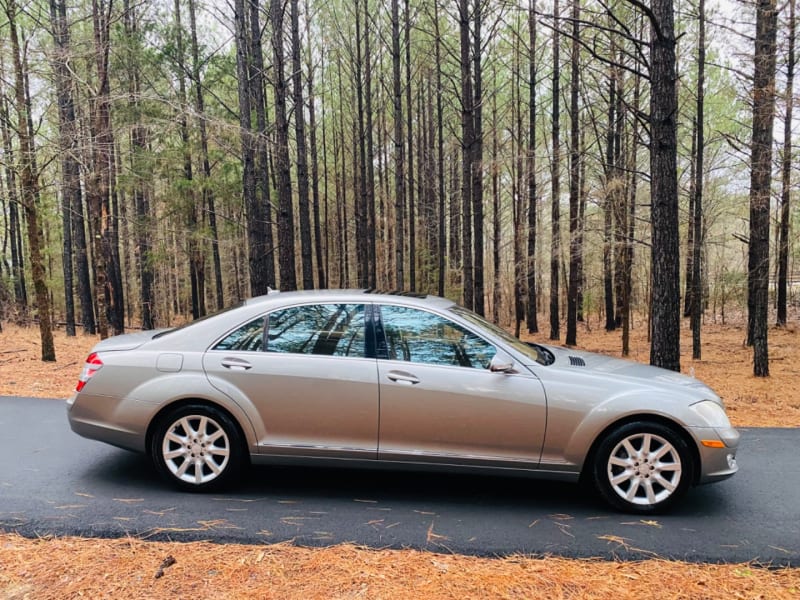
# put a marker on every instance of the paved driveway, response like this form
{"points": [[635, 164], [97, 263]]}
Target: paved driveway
{"points": [[54, 482]]}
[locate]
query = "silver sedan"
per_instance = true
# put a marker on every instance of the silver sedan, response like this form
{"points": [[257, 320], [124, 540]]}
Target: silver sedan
{"points": [[397, 380]]}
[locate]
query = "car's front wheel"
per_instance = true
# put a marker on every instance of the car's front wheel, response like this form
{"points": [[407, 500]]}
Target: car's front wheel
{"points": [[642, 467], [197, 448]]}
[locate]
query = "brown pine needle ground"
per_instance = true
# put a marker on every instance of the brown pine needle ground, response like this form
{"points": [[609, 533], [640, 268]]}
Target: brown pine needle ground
{"points": [[129, 568], [80, 568]]}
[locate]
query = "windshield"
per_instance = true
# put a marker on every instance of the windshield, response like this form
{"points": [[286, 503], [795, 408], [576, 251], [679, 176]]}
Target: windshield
{"points": [[532, 351]]}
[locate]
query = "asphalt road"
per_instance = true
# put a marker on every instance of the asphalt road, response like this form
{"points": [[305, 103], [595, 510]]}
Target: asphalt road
{"points": [[54, 482]]}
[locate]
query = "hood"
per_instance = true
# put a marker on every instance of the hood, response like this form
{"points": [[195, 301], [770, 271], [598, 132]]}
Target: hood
{"points": [[127, 341], [616, 368]]}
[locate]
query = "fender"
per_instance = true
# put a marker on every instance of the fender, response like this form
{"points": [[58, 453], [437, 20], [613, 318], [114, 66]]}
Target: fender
{"points": [[192, 385], [632, 404], [577, 414]]}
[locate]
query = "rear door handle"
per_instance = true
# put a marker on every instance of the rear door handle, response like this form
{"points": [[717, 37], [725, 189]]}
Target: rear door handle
{"points": [[236, 364], [402, 377]]}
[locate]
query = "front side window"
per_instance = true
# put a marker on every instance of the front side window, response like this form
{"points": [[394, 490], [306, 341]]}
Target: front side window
{"points": [[419, 336], [538, 353], [322, 329]]}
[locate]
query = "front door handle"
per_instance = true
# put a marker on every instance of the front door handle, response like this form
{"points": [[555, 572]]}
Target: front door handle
{"points": [[402, 377], [236, 364]]}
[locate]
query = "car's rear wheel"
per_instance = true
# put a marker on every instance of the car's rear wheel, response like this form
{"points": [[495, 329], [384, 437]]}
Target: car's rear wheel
{"points": [[197, 448], [642, 467]]}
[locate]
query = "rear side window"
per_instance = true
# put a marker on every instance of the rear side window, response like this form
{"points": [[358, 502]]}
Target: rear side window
{"points": [[321, 329], [247, 338]]}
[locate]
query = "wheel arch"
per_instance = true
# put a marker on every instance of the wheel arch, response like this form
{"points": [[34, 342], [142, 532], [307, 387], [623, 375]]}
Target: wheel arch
{"points": [[189, 401], [653, 418]]}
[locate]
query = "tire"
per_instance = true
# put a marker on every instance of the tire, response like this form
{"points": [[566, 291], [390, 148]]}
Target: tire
{"points": [[642, 467], [197, 448]]}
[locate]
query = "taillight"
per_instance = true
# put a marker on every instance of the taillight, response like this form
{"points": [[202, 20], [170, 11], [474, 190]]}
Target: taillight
{"points": [[92, 366]]}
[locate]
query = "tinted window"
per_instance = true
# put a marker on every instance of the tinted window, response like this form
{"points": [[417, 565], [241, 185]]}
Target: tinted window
{"points": [[418, 336], [248, 338], [538, 353], [326, 329]]}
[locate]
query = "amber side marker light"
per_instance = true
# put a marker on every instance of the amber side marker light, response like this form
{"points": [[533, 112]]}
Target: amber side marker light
{"points": [[713, 443]]}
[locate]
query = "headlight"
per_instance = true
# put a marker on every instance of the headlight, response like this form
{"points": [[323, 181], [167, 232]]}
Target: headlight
{"points": [[712, 413]]}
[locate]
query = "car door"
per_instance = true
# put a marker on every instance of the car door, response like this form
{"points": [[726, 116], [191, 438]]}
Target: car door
{"points": [[439, 402], [308, 372]]}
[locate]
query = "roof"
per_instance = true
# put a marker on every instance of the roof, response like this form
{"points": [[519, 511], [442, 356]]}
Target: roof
{"points": [[355, 295]]}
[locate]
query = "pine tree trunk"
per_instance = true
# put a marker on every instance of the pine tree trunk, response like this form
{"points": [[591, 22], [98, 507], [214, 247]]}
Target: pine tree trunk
{"points": [[532, 300], [283, 166], [370, 183], [519, 183], [760, 182], [555, 201], [98, 180], [208, 194], [339, 145], [143, 222], [786, 174], [412, 224], [304, 213], [574, 184], [14, 219], [262, 229], [688, 271], [325, 184], [665, 343], [496, 230], [477, 159], [608, 204], [196, 261], [697, 218], [70, 168], [362, 219], [399, 150], [319, 241], [454, 198], [467, 143], [619, 196], [440, 170], [29, 186], [422, 179], [581, 228], [246, 138], [250, 93], [116, 288], [627, 286]]}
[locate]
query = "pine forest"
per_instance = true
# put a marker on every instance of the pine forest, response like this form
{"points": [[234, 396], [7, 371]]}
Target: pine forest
{"points": [[628, 163]]}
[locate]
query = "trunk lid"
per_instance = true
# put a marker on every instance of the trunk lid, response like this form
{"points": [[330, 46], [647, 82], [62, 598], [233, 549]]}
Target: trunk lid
{"points": [[127, 341]]}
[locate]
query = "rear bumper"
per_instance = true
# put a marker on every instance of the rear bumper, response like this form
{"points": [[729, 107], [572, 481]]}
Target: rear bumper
{"points": [[92, 418]]}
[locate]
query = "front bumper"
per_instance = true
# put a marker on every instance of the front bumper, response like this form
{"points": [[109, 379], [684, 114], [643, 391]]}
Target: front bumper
{"points": [[716, 463]]}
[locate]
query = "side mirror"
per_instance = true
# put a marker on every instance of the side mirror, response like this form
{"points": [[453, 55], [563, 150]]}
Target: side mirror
{"points": [[501, 363]]}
